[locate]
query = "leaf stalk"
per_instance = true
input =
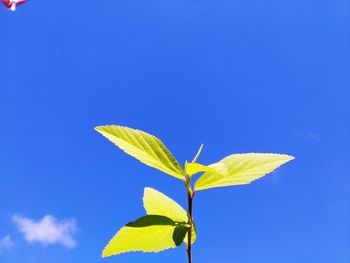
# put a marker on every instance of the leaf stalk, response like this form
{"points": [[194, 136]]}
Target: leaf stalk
{"points": [[190, 196]]}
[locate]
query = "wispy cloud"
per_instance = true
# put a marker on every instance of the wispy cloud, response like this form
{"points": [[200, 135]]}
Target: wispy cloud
{"points": [[310, 135], [47, 231], [6, 243]]}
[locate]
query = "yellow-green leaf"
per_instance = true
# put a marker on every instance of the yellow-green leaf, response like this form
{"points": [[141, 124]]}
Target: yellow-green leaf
{"points": [[147, 239], [146, 148], [198, 153], [193, 168], [157, 203], [238, 169]]}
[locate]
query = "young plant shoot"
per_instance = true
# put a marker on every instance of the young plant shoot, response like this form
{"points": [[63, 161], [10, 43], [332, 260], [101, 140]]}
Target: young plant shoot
{"points": [[166, 224]]}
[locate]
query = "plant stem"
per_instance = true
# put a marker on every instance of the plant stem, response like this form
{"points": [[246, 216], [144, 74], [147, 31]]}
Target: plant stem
{"points": [[190, 195]]}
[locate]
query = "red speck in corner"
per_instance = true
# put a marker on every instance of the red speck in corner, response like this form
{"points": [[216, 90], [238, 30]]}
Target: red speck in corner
{"points": [[12, 4]]}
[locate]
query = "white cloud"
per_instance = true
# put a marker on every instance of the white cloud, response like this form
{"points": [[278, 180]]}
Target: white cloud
{"points": [[6, 243], [47, 231]]}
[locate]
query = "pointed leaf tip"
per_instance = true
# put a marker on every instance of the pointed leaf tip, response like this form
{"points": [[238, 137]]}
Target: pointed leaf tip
{"points": [[146, 148], [238, 169], [153, 238], [157, 203], [198, 153]]}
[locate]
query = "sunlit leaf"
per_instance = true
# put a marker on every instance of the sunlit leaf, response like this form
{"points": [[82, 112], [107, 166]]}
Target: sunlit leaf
{"points": [[198, 153], [151, 233], [145, 147], [193, 168], [157, 203], [147, 239], [238, 169]]}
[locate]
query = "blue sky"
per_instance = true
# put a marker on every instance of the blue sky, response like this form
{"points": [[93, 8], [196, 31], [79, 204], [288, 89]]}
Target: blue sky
{"points": [[238, 76]]}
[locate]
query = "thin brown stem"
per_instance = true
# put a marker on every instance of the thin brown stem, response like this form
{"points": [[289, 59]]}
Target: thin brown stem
{"points": [[190, 195]]}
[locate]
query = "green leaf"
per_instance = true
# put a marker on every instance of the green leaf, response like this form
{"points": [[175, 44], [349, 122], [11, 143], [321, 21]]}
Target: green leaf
{"points": [[179, 234], [193, 168], [144, 147], [157, 203], [238, 169], [150, 220], [147, 239], [151, 233]]}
